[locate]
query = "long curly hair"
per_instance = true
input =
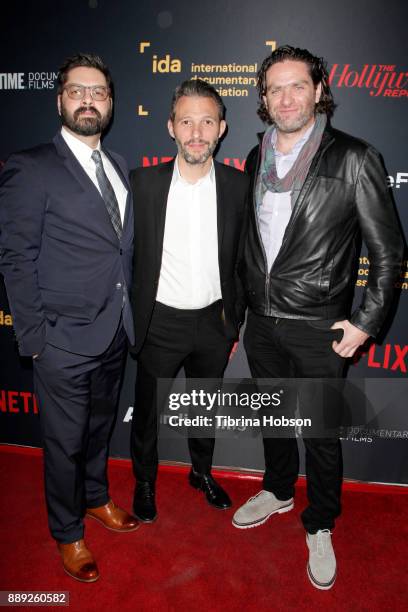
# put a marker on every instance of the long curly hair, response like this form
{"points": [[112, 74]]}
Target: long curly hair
{"points": [[318, 72]]}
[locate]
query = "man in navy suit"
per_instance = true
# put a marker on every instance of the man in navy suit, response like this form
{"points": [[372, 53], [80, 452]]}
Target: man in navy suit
{"points": [[66, 249]]}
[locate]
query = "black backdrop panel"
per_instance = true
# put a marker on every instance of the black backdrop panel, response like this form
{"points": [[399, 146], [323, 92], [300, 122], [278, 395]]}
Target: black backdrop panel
{"points": [[151, 47]]}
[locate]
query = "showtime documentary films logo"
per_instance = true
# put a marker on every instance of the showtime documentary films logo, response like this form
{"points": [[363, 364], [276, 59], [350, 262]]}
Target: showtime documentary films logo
{"points": [[383, 80], [38, 80]]}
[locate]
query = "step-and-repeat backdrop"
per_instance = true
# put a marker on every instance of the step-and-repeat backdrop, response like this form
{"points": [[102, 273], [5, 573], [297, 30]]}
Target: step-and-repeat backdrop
{"points": [[150, 47]]}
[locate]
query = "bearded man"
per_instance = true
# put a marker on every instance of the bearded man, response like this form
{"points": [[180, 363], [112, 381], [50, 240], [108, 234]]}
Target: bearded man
{"points": [[314, 192], [66, 246]]}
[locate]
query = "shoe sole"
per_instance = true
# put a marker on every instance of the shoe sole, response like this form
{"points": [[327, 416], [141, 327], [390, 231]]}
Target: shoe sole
{"points": [[112, 528], [263, 519], [323, 586], [80, 579]]}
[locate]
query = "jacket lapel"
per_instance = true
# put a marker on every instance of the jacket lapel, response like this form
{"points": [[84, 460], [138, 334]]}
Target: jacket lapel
{"points": [[77, 171], [74, 167], [222, 204], [160, 196], [327, 140]]}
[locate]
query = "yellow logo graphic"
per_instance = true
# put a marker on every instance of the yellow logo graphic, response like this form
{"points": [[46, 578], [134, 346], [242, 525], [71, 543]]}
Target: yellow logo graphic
{"points": [[5, 319], [271, 44], [165, 64], [229, 79], [142, 46]]}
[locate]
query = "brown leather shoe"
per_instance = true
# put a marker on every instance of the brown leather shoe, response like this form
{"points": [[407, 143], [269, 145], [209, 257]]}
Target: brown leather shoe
{"points": [[78, 561], [113, 518]]}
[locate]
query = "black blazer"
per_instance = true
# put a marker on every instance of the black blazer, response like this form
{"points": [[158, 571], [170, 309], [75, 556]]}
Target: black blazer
{"points": [[65, 269], [150, 191]]}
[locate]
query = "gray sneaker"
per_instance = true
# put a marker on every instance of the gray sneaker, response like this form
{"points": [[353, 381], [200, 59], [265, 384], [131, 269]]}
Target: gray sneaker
{"points": [[321, 568], [259, 508]]}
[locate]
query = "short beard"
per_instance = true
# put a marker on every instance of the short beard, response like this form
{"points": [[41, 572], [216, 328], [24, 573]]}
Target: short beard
{"points": [[87, 126], [294, 127], [191, 159]]}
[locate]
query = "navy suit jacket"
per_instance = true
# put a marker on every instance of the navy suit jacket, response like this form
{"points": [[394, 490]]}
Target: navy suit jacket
{"points": [[66, 272]]}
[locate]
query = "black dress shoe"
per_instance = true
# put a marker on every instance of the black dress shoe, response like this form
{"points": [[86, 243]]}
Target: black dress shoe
{"points": [[215, 495], [144, 505]]}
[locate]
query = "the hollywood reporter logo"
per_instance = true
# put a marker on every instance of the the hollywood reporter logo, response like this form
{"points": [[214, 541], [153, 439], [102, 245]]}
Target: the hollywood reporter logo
{"points": [[380, 79]]}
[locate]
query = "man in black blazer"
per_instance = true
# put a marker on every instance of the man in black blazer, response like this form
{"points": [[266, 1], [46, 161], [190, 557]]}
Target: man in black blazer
{"points": [[187, 309], [66, 251]]}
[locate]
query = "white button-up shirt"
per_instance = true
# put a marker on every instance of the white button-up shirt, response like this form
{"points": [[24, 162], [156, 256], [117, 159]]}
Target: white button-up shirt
{"points": [[189, 275]]}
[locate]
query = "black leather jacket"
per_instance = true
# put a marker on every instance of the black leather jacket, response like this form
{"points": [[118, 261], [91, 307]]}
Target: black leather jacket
{"points": [[345, 195]]}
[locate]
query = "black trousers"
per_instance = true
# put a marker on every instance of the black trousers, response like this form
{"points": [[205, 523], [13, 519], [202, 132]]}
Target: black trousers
{"points": [[292, 348], [193, 339], [77, 399]]}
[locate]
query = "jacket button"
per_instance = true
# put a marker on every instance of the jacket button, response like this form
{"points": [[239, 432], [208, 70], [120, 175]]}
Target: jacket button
{"points": [[118, 285], [120, 251]]}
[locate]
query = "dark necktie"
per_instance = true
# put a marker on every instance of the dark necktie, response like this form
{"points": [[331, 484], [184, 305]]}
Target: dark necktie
{"points": [[108, 194]]}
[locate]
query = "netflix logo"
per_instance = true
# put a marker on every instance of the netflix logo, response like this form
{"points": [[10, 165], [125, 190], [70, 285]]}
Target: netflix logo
{"points": [[387, 357], [379, 79], [236, 162], [18, 402]]}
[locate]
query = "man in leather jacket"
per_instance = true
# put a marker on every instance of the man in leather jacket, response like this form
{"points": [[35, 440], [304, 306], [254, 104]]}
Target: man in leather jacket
{"points": [[314, 192]]}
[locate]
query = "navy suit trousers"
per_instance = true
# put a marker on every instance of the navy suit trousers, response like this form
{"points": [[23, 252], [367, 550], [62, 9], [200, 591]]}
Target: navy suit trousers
{"points": [[77, 402]]}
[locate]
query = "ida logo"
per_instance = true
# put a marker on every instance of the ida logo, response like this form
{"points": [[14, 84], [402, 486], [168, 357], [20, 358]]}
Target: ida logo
{"points": [[165, 64], [6, 319]]}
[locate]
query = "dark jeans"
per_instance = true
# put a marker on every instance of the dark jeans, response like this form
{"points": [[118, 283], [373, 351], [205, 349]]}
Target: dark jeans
{"points": [[77, 398], [194, 339], [292, 348]]}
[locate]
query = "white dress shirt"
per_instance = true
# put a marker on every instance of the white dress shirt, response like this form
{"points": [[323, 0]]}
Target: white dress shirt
{"points": [[275, 210], [189, 275], [83, 154]]}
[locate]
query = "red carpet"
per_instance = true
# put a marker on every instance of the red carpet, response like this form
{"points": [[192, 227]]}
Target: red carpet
{"points": [[193, 559]]}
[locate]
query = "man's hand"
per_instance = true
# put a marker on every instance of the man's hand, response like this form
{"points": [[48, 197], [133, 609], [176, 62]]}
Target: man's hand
{"points": [[233, 350], [353, 338]]}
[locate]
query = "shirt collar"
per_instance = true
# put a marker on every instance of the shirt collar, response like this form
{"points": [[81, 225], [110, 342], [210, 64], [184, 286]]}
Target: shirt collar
{"points": [[297, 146], [81, 150], [210, 176]]}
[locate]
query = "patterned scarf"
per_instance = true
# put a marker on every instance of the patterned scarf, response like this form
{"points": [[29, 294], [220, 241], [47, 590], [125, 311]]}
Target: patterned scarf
{"points": [[268, 179]]}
